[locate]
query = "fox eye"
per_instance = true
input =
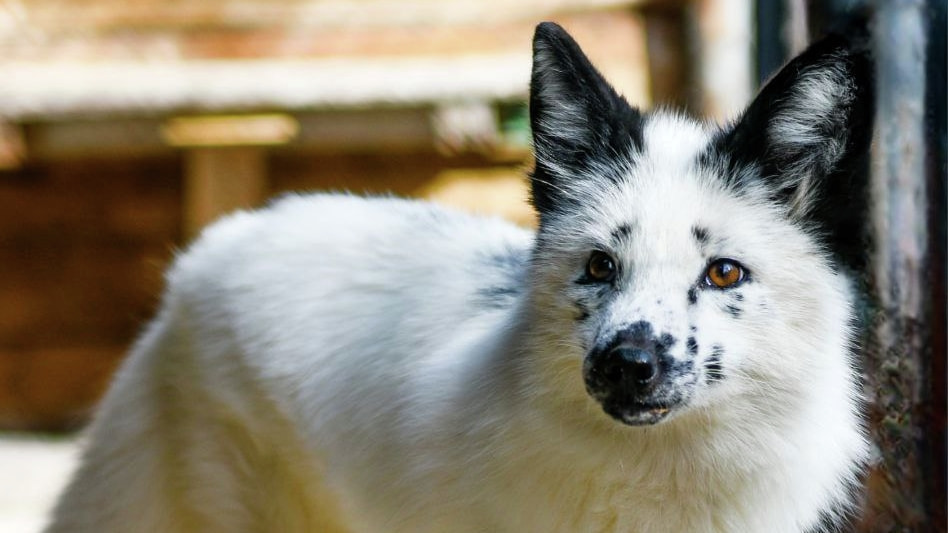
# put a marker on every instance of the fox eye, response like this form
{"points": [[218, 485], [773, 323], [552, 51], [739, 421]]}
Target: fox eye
{"points": [[724, 273], [600, 267]]}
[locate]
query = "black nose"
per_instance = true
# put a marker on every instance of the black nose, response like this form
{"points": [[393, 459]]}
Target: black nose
{"points": [[629, 367]]}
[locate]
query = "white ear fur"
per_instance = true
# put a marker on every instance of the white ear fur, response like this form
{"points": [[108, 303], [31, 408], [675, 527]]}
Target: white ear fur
{"points": [[809, 131]]}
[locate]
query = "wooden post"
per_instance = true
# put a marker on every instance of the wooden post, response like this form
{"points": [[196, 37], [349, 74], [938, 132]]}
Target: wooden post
{"points": [[670, 66], [12, 146], [225, 161], [219, 180]]}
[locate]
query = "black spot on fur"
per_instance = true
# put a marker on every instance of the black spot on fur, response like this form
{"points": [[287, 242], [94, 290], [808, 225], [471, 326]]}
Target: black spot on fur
{"points": [[692, 346], [739, 297], [497, 297], [511, 264], [622, 233], [734, 311], [639, 331], [582, 312], [700, 234], [714, 370], [692, 296], [512, 261], [665, 341]]}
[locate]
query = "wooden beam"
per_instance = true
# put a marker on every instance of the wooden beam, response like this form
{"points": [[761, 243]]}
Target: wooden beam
{"points": [[122, 16], [230, 130], [386, 129]]}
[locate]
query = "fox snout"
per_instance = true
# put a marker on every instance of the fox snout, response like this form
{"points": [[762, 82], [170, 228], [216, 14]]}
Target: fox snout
{"points": [[630, 375]]}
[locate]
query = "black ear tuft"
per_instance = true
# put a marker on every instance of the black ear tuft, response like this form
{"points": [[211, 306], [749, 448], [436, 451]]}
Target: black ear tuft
{"points": [[811, 122], [577, 118]]}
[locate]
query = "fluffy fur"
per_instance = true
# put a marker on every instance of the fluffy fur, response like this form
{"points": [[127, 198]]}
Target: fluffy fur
{"points": [[332, 363]]}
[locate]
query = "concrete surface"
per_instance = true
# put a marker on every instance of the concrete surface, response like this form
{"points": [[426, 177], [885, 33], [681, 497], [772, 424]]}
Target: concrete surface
{"points": [[33, 469]]}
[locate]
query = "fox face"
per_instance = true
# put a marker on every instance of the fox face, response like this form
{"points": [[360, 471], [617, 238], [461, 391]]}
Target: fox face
{"points": [[692, 268]]}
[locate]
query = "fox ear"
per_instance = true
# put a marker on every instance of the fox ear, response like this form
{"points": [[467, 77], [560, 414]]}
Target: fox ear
{"points": [[809, 128], [577, 119]]}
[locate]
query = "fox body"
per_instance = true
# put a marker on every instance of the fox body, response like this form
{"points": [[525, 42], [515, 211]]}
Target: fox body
{"points": [[672, 349]]}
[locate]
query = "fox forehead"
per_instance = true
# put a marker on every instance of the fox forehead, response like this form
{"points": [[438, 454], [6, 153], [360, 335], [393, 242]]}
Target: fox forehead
{"points": [[663, 190], [674, 141], [671, 213]]}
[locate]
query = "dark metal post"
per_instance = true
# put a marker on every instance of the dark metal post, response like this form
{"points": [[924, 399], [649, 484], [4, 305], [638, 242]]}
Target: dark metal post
{"points": [[771, 47], [903, 486]]}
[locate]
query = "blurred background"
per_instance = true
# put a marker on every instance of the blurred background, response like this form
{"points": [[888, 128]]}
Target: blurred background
{"points": [[125, 127]]}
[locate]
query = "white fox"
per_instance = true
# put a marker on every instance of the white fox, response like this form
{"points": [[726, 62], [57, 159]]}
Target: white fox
{"points": [[671, 351]]}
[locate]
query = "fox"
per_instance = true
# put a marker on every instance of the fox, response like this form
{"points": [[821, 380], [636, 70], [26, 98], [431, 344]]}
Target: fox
{"points": [[673, 348]]}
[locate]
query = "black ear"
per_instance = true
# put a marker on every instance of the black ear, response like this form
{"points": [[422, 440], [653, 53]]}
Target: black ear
{"points": [[578, 120], [809, 129]]}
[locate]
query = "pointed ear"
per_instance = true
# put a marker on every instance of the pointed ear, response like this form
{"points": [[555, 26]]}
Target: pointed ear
{"points": [[577, 119], [809, 129]]}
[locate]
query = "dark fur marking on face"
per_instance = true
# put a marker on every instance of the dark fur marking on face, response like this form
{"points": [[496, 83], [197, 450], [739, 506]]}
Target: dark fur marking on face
{"points": [[739, 297], [734, 311], [622, 233], [583, 312], [714, 370], [511, 263], [692, 346], [498, 297], [692, 296], [700, 234], [511, 260], [665, 341]]}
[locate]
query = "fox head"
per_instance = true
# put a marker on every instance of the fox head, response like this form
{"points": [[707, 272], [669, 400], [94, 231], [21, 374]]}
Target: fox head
{"points": [[682, 267]]}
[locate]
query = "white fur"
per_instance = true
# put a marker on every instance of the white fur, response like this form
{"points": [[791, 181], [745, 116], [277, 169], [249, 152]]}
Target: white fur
{"points": [[333, 363]]}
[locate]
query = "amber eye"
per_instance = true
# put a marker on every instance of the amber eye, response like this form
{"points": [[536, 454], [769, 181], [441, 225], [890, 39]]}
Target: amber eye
{"points": [[600, 267], [724, 273]]}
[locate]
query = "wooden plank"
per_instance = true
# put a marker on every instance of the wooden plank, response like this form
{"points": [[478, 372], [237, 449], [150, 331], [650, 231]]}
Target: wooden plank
{"points": [[36, 91], [247, 72], [122, 16], [385, 129]]}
